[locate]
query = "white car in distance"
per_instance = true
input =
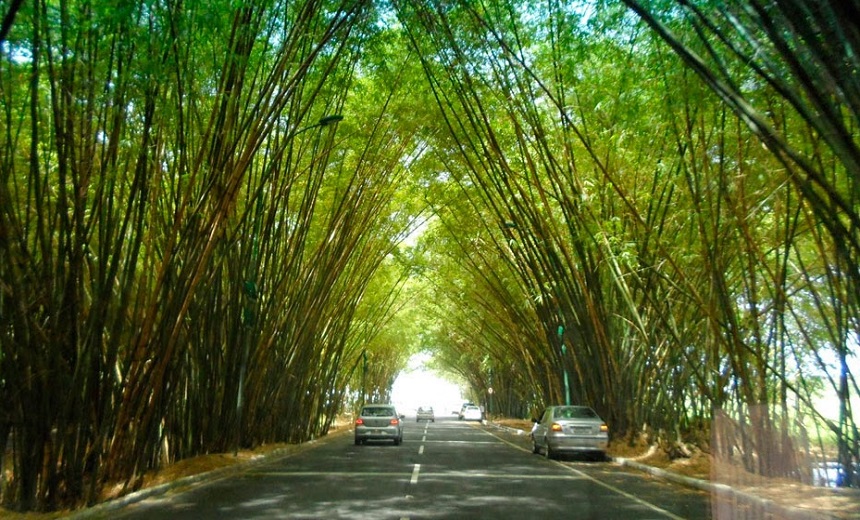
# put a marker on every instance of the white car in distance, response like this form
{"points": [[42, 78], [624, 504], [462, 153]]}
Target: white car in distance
{"points": [[472, 413]]}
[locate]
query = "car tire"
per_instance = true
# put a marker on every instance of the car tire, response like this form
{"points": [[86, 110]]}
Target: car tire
{"points": [[548, 451], [535, 447], [358, 442], [398, 441]]}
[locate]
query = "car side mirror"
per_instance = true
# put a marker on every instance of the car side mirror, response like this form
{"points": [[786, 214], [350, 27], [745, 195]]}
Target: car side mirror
{"points": [[535, 420]]}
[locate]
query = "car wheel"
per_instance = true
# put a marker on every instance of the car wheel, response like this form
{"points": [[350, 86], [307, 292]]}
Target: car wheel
{"points": [[358, 442], [548, 451], [398, 441], [535, 447]]}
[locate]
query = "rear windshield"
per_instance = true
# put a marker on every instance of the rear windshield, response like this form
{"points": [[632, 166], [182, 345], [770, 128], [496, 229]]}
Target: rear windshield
{"points": [[574, 412], [377, 411]]}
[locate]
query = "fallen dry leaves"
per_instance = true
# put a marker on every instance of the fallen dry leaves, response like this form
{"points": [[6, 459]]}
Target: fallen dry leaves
{"points": [[838, 503]]}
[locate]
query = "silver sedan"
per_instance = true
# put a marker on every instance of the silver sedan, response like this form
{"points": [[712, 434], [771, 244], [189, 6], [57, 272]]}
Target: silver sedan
{"points": [[570, 429], [377, 422]]}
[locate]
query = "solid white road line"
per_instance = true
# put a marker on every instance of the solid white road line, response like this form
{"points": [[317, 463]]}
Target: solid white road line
{"points": [[610, 487], [464, 442]]}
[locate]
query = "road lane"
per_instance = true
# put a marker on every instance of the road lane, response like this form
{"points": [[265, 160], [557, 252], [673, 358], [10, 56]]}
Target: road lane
{"points": [[444, 469]]}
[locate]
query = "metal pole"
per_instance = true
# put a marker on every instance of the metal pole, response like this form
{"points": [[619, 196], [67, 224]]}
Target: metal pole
{"points": [[491, 391], [363, 376], [564, 364], [250, 286]]}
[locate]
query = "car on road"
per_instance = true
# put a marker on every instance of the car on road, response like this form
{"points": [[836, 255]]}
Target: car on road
{"points": [[472, 413], [570, 429], [379, 422], [425, 413], [463, 409]]}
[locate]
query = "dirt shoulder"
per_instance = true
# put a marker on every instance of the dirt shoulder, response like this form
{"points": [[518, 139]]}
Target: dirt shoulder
{"points": [[838, 503], [188, 468]]}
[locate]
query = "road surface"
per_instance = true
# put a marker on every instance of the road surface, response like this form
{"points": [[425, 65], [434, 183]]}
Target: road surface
{"points": [[445, 469]]}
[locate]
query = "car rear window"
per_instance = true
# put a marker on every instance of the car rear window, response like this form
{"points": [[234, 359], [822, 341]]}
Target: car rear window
{"points": [[575, 412], [377, 411]]}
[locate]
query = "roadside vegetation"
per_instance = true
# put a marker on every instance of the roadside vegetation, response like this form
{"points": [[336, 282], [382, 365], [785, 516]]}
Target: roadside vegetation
{"points": [[223, 224]]}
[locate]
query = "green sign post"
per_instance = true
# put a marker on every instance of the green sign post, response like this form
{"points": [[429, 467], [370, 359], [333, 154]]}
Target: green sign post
{"points": [[564, 364]]}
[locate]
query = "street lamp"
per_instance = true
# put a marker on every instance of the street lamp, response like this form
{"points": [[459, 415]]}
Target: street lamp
{"points": [[363, 376], [328, 120], [250, 285], [513, 225], [564, 364]]}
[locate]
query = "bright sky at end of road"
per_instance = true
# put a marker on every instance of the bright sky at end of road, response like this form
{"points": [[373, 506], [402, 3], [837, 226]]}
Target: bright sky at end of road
{"points": [[418, 386]]}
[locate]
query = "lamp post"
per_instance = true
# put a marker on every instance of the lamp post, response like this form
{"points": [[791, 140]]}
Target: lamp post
{"points": [[509, 225], [363, 376], [564, 364], [250, 286]]}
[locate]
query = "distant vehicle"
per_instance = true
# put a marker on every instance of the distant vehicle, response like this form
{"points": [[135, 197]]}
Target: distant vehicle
{"points": [[570, 429], [379, 422], [472, 413], [425, 413], [463, 409]]}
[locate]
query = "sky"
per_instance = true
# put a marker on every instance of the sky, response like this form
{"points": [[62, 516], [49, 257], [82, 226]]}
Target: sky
{"points": [[418, 386]]}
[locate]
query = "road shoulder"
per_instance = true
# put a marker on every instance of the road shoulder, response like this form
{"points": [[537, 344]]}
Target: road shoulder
{"points": [[776, 499]]}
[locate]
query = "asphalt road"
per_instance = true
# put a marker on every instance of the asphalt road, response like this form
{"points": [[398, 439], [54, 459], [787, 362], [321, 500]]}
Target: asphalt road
{"points": [[445, 469]]}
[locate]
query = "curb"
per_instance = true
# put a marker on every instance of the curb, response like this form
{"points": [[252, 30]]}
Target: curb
{"points": [[721, 491], [103, 509], [515, 431], [728, 493]]}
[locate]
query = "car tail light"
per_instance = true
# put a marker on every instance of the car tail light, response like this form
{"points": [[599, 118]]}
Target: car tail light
{"points": [[604, 428], [395, 422], [555, 427], [359, 421]]}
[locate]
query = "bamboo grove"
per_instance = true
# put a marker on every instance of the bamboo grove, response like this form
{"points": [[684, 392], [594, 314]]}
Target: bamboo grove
{"points": [[657, 216], [649, 207]]}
